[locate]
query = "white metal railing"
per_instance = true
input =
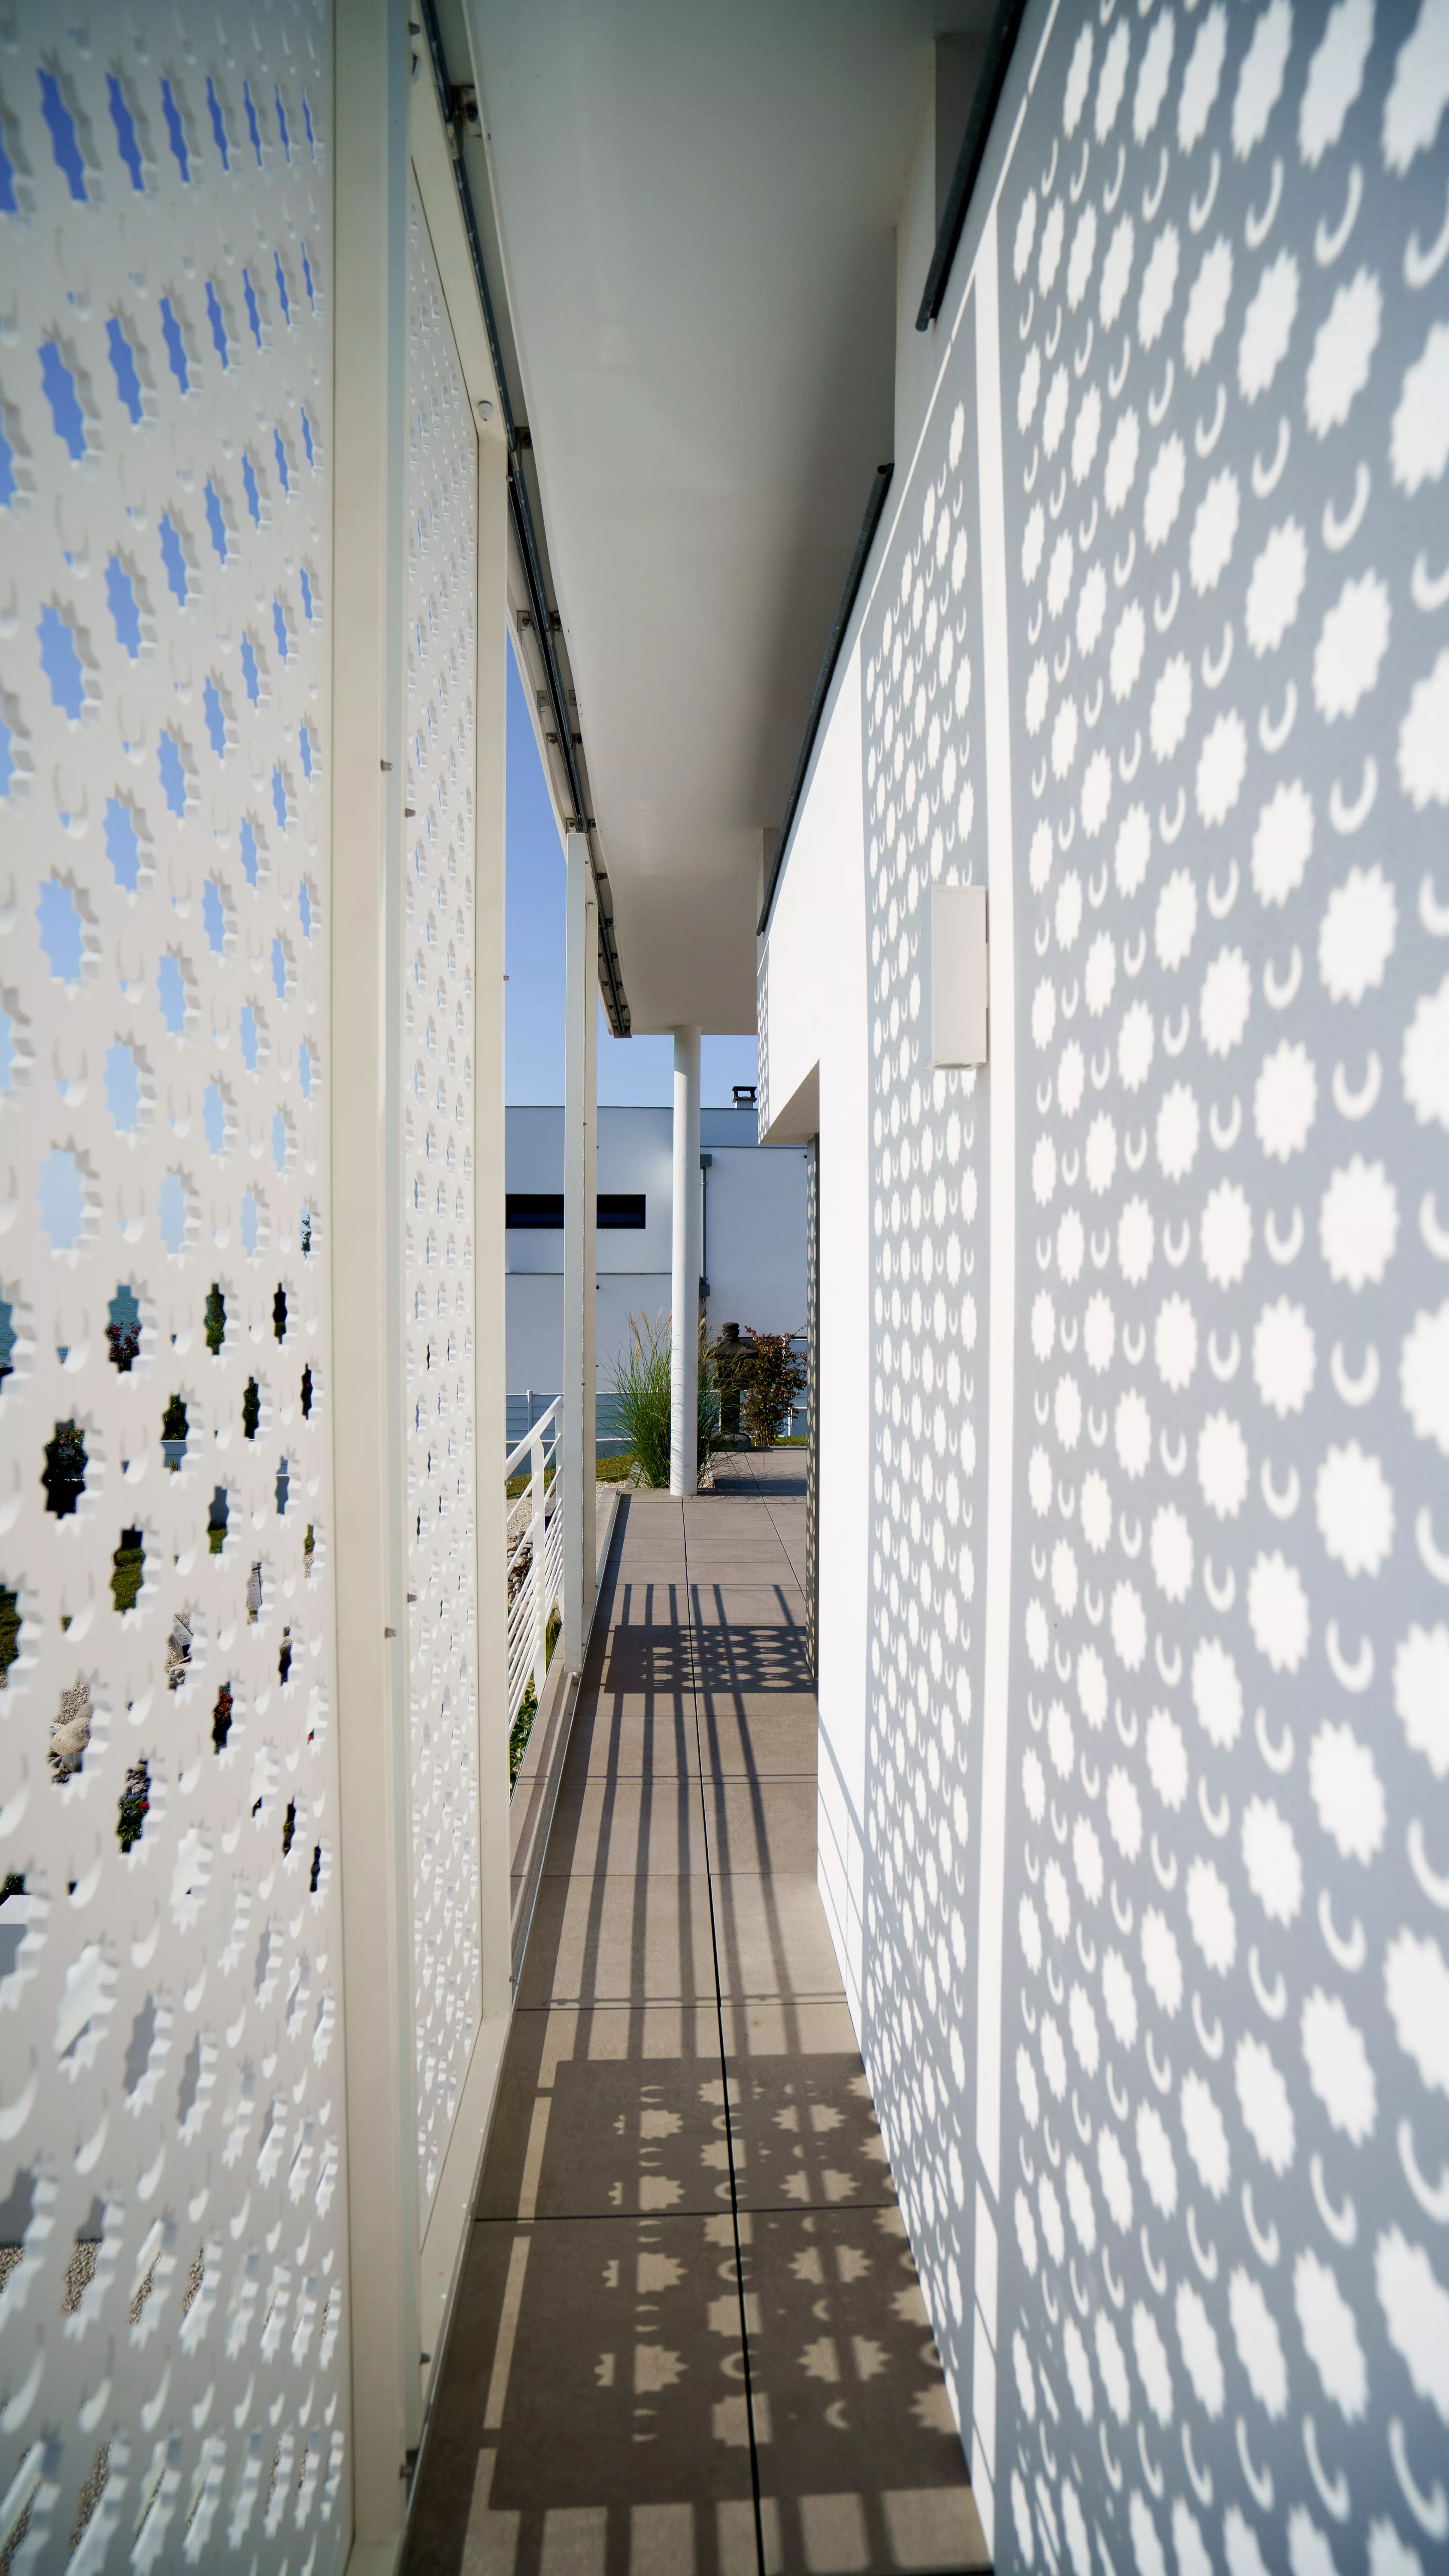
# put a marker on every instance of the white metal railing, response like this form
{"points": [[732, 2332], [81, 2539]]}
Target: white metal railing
{"points": [[535, 1552]]}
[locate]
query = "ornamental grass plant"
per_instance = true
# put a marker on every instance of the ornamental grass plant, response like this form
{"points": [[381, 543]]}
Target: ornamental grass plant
{"points": [[642, 1387]]}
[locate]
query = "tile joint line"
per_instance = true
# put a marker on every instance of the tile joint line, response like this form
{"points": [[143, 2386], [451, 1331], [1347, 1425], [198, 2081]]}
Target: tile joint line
{"points": [[724, 2066]]}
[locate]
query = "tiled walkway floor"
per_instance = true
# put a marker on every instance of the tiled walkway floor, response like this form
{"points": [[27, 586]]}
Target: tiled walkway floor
{"points": [[689, 2333]]}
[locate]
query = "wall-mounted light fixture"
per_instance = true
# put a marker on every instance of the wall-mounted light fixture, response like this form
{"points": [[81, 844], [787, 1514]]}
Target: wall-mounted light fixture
{"points": [[958, 975]]}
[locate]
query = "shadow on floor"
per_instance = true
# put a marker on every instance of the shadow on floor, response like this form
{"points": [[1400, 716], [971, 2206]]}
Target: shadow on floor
{"points": [[689, 2334]]}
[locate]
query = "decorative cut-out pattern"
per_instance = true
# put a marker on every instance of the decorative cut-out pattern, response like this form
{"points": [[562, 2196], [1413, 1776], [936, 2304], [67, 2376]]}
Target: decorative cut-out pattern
{"points": [[442, 520], [171, 2277], [1219, 2322]]}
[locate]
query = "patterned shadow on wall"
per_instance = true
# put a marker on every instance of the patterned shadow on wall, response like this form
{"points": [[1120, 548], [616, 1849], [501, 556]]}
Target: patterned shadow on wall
{"points": [[1229, 682], [1222, 270], [925, 824]]}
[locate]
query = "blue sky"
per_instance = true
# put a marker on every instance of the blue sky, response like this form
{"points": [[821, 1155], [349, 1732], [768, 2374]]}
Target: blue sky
{"points": [[632, 1071]]}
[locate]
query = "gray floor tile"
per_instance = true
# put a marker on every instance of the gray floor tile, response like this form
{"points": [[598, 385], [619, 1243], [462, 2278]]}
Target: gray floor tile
{"points": [[649, 1600], [716, 1692], [734, 1542], [632, 1734], [760, 1570], [805, 2137], [760, 1735], [645, 1510], [610, 2112], [800, 2104], [799, 1568], [653, 1822], [593, 2397], [650, 1659], [862, 2461], [619, 1939], [761, 1825], [774, 1939], [652, 1594], [749, 1657], [764, 2027], [739, 1600]]}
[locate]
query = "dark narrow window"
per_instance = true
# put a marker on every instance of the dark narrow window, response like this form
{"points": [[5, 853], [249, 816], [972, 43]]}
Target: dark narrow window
{"points": [[536, 1209], [542, 1211], [620, 1212]]}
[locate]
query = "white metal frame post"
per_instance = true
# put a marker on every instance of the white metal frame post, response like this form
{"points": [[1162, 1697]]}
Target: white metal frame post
{"points": [[484, 1431], [490, 1288], [581, 1009], [373, 61], [684, 1324], [401, 2282]]}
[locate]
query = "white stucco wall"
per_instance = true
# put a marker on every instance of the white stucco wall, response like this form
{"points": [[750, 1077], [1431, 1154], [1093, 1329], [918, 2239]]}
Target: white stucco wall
{"points": [[814, 1018], [755, 1239], [1132, 1631], [635, 1150]]}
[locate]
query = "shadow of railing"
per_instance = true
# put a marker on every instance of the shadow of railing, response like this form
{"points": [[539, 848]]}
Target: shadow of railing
{"points": [[689, 2321], [737, 1662]]}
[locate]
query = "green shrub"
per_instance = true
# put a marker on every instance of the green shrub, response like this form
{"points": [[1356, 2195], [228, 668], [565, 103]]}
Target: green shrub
{"points": [[777, 1376], [129, 1562]]}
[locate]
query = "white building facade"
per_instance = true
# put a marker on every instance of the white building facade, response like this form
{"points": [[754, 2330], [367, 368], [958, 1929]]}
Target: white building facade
{"points": [[1134, 1664], [752, 1214]]}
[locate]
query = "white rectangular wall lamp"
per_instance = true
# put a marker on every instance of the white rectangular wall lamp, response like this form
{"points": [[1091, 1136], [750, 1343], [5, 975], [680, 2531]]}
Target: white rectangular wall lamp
{"points": [[958, 975]]}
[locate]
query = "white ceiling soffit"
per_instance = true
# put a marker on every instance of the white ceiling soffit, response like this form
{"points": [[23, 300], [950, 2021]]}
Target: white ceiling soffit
{"points": [[697, 214]]}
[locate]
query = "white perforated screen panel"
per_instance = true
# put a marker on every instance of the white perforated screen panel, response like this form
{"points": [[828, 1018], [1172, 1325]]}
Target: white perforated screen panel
{"points": [[442, 535], [172, 2336]]}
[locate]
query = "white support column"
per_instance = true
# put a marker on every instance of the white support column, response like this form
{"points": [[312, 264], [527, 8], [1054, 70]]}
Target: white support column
{"points": [[581, 982], [684, 1325]]}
